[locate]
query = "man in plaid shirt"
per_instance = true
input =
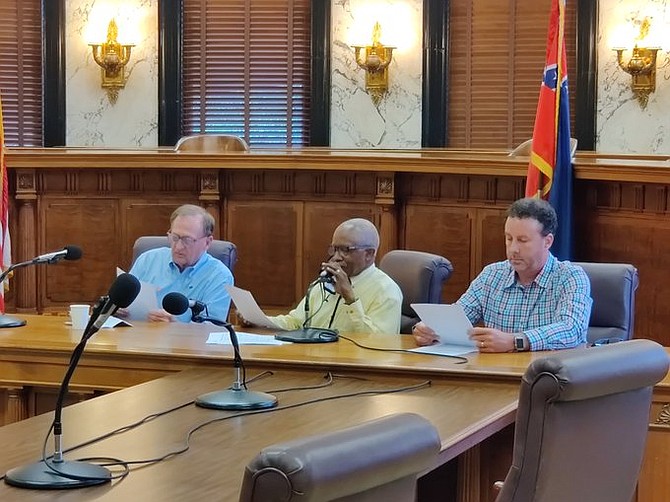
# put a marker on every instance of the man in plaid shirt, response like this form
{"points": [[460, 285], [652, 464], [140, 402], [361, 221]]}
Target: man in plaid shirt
{"points": [[531, 301]]}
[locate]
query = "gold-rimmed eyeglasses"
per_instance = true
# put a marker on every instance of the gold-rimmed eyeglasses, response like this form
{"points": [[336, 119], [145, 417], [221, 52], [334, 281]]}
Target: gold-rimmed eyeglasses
{"points": [[186, 240]]}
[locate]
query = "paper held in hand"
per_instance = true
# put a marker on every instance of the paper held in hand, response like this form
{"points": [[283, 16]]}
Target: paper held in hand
{"points": [[451, 325], [246, 305]]}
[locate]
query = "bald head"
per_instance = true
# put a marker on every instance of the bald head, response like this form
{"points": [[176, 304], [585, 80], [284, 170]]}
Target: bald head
{"points": [[355, 243], [362, 231]]}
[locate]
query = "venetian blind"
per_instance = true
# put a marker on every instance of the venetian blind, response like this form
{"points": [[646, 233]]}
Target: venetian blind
{"points": [[497, 56], [246, 70], [21, 71]]}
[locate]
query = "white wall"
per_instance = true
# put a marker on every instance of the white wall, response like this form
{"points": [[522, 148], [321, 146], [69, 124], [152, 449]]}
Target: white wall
{"points": [[623, 126], [91, 120], [356, 122]]}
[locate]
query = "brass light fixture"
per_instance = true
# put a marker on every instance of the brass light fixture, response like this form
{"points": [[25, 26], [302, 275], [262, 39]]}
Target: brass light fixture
{"points": [[375, 59], [112, 57], [641, 66]]}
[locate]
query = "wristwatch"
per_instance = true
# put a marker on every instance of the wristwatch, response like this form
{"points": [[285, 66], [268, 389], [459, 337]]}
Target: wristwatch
{"points": [[519, 343]]}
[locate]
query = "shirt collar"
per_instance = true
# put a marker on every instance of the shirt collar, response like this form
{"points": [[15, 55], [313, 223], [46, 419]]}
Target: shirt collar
{"points": [[192, 268], [542, 278], [368, 271]]}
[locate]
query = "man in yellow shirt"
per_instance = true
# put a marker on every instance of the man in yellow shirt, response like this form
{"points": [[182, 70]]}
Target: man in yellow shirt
{"points": [[364, 299]]}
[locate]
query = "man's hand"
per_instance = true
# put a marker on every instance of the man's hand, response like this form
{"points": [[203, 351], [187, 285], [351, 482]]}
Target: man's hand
{"points": [[492, 340], [423, 335], [160, 315], [342, 282]]}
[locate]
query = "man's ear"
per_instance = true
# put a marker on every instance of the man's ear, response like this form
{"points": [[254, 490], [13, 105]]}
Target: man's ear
{"points": [[548, 240]]}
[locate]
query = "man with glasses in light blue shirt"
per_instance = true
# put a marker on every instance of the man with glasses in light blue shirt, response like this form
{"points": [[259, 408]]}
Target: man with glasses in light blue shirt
{"points": [[186, 267]]}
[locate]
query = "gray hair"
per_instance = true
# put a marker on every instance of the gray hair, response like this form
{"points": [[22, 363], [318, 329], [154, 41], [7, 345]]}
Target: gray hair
{"points": [[193, 210]]}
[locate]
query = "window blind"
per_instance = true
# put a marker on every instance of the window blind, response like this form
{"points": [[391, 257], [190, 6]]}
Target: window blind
{"points": [[497, 55], [246, 70], [21, 71]]}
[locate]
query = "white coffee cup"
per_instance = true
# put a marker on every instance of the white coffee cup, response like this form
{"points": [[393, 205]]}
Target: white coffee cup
{"points": [[79, 316]]}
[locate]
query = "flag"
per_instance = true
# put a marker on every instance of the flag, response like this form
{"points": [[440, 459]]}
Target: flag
{"points": [[550, 167], [5, 243]]}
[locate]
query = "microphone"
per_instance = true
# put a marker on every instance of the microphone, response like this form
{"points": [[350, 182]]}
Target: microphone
{"points": [[177, 304], [237, 397], [55, 472], [122, 293], [67, 253]]}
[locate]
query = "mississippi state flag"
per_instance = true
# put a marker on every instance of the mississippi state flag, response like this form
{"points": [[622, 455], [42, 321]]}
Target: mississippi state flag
{"points": [[550, 167]]}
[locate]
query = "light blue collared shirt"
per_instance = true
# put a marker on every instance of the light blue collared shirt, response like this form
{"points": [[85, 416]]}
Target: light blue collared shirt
{"points": [[203, 281]]}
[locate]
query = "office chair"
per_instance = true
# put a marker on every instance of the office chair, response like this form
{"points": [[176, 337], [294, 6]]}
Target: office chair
{"points": [[582, 423], [524, 149], [222, 250], [613, 288], [420, 276], [211, 143], [377, 461]]}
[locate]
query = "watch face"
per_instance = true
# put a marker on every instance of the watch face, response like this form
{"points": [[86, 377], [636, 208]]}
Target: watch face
{"points": [[518, 343]]}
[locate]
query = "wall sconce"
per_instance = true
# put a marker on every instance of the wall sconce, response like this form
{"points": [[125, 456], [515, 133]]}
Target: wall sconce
{"points": [[642, 64], [375, 62], [112, 57], [642, 67]]}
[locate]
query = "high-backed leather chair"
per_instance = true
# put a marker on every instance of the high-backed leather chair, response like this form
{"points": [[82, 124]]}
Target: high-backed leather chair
{"points": [[420, 276], [222, 250], [613, 288], [582, 422], [377, 461], [523, 149], [211, 143]]}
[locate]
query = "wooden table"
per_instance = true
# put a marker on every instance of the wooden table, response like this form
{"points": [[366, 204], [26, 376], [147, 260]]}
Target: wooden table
{"points": [[33, 359], [465, 413]]}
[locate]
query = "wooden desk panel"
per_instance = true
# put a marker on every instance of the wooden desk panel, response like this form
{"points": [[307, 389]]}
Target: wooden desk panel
{"points": [[280, 207], [465, 414]]}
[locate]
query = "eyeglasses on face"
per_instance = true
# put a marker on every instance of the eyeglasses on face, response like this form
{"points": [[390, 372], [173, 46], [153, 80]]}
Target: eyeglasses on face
{"points": [[344, 250], [185, 240]]}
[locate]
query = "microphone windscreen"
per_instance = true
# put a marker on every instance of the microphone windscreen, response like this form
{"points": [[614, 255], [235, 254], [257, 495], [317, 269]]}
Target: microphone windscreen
{"points": [[175, 303], [124, 290], [73, 252]]}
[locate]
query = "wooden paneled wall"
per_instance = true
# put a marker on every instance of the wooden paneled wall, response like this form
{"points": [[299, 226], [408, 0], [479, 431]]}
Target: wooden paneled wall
{"points": [[280, 210]]}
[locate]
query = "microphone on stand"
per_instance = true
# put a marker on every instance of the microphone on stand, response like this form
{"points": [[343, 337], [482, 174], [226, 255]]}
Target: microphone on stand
{"points": [[308, 334], [67, 253], [237, 397], [56, 472]]}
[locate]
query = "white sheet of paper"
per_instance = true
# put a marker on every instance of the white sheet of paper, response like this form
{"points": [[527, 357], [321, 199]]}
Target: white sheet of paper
{"points": [[223, 338], [248, 307], [145, 301], [451, 325], [115, 322]]}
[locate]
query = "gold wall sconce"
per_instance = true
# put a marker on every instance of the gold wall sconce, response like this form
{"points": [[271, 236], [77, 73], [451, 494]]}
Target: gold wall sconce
{"points": [[642, 64], [642, 68], [375, 59], [112, 58]]}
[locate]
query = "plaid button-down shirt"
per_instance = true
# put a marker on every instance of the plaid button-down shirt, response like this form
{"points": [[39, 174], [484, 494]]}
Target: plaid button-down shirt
{"points": [[553, 311]]}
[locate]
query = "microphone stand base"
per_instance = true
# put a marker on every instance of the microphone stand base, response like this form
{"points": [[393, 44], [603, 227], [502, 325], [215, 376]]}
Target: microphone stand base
{"points": [[7, 321], [242, 399], [40, 476]]}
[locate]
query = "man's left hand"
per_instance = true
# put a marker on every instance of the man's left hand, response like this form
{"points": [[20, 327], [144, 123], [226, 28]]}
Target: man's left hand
{"points": [[492, 340]]}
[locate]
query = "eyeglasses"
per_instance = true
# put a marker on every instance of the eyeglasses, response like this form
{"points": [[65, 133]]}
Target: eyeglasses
{"points": [[345, 250], [185, 240]]}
